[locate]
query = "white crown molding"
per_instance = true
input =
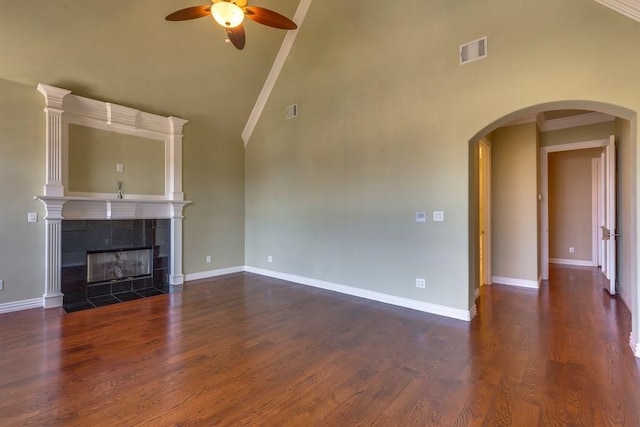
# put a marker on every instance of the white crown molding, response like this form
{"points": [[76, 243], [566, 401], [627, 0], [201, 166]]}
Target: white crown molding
{"points": [[440, 310], [21, 305], [575, 121], [521, 283], [522, 121], [276, 68], [629, 8]]}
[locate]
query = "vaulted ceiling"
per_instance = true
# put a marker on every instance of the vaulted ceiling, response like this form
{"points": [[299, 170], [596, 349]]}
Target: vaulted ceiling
{"points": [[125, 52], [630, 8]]}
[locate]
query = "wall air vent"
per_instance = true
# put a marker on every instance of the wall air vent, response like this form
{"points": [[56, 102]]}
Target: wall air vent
{"points": [[292, 111], [473, 51]]}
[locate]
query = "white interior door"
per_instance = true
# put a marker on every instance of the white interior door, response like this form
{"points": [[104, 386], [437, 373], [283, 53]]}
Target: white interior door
{"points": [[609, 234]]}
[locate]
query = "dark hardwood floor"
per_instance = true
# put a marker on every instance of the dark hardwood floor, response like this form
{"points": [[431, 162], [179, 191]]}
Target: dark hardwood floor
{"points": [[249, 350]]}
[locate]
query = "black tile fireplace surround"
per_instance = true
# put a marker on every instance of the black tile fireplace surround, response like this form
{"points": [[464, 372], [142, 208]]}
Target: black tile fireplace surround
{"points": [[82, 236]]}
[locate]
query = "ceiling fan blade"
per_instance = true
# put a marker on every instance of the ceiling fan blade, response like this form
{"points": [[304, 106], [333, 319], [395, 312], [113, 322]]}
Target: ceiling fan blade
{"points": [[236, 35], [269, 18], [192, 12]]}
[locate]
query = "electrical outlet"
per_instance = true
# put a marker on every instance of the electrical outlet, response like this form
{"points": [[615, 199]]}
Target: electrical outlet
{"points": [[421, 283], [119, 167], [1, 285], [32, 217], [269, 258], [208, 259], [572, 250]]}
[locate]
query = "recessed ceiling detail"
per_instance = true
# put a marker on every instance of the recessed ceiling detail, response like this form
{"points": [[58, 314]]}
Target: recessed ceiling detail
{"points": [[630, 8]]}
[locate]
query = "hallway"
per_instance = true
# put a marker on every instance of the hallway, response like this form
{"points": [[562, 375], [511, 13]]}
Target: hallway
{"points": [[562, 353]]}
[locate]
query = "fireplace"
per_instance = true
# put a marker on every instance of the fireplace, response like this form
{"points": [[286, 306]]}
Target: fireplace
{"points": [[70, 212], [115, 266], [110, 261]]}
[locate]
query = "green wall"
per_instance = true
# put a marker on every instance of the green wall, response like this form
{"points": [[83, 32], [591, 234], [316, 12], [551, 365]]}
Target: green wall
{"points": [[514, 202], [386, 118], [22, 160], [94, 154], [570, 204]]}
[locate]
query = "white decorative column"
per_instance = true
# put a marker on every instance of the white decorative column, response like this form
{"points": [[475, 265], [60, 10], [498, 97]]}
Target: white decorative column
{"points": [[176, 277], [53, 236], [53, 108], [175, 194], [54, 188], [174, 154]]}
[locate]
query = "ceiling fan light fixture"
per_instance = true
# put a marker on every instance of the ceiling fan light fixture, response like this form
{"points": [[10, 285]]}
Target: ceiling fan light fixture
{"points": [[227, 14]]}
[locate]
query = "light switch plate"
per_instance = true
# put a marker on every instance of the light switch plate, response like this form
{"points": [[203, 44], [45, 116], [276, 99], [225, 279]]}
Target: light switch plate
{"points": [[438, 216], [32, 217], [421, 217]]}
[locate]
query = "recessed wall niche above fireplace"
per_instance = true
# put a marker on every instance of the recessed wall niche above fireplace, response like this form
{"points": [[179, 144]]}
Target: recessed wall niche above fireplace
{"points": [[88, 178]]}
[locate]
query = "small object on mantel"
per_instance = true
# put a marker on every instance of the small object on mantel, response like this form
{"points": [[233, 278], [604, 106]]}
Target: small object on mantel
{"points": [[120, 195]]}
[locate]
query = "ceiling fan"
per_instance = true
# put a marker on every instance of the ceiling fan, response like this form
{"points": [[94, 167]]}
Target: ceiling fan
{"points": [[230, 14]]}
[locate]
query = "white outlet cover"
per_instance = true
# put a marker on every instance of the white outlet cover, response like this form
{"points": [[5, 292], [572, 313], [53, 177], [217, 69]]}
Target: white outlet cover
{"points": [[438, 216], [269, 258], [32, 217], [119, 167]]}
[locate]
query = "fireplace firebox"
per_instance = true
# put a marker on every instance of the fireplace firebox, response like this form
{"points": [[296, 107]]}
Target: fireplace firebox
{"points": [[113, 266]]}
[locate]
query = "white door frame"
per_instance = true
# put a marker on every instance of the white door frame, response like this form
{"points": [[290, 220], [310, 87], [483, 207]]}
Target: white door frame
{"points": [[597, 213], [486, 203], [544, 205]]}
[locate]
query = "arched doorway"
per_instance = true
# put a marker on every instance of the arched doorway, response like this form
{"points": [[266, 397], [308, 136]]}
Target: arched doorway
{"points": [[625, 125]]}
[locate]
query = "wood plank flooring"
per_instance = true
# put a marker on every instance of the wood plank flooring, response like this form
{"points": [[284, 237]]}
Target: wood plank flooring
{"points": [[248, 350]]}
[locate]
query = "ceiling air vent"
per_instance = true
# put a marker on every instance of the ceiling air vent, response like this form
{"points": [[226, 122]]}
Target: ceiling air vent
{"points": [[473, 51], [292, 111]]}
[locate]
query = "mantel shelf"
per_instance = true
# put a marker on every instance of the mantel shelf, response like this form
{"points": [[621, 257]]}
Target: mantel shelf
{"points": [[73, 207]]}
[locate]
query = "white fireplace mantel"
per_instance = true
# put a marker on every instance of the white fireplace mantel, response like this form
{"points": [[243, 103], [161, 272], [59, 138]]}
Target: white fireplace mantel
{"points": [[63, 108], [101, 209]]}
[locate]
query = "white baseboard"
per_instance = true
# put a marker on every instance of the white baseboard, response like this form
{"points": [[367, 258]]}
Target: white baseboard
{"points": [[213, 273], [473, 312], [635, 346], [425, 307], [21, 305], [476, 293], [521, 283], [577, 262]]}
